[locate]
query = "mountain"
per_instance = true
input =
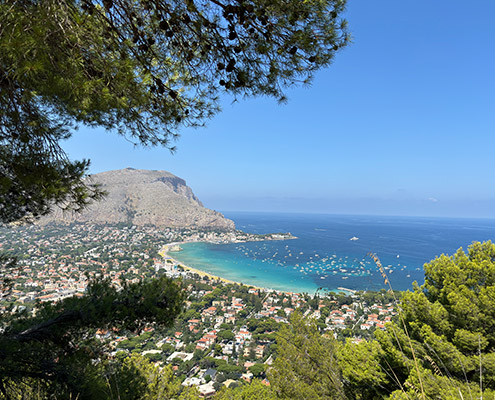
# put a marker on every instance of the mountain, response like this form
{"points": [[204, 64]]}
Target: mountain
{"points": [[141, 197]]}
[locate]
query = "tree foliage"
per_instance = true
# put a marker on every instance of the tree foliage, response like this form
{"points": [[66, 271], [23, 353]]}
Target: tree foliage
{"points": [[306, 364], [444, 345], [138, 378], [362, 375], [255, 390], [143, 68], [56, 347], [258, 369]]}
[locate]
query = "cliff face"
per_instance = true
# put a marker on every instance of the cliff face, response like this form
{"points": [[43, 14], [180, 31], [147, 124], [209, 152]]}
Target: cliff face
{"points": [[141, 197]]}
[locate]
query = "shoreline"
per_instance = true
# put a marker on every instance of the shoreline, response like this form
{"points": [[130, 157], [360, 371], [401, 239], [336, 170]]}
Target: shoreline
{"points": [[164, 251], [167, 248]]}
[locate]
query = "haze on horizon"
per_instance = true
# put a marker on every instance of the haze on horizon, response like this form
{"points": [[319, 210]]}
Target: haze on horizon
{"points": [[402, 123]]}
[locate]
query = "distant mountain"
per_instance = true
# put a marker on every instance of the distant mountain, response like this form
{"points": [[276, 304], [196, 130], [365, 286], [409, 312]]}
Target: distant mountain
{"points": [[141, 197]]}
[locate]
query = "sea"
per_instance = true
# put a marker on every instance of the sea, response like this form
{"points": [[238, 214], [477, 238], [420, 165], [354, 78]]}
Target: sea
{"points": [[332, 252]]}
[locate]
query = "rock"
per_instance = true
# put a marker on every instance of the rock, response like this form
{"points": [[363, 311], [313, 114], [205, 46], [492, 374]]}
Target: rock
{"points": [[143, 197]]}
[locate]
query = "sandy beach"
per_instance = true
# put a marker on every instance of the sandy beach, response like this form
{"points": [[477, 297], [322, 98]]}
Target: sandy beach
{"points": [[166, 250]]}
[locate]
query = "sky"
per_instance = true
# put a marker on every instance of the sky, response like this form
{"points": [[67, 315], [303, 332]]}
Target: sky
{"points": [[402, 123]]}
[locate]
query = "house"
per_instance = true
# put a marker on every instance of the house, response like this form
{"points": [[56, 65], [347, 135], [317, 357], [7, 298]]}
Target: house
{"points": [[243, 333], [151, 352], [180, 355], [206, 390], [258, 350], [212, 373], [192, 381], [247, 376], [228, 348], [202, 344]]}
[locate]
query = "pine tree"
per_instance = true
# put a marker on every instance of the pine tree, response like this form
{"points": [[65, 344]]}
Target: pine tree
{"points": [[142, 68], [56, 348], [306, 365]]}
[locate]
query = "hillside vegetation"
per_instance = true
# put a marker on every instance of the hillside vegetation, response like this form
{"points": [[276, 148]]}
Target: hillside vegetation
{"points": [[440, 345]]}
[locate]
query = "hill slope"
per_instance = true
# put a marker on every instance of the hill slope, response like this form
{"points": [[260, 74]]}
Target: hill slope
{"points": [[141, 197]]}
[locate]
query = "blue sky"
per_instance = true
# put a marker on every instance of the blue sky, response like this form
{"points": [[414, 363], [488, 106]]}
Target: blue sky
{"points": [[402, 123]]}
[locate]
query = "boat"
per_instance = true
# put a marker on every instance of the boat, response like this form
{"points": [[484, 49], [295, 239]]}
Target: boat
{"points": [[354, 238]]}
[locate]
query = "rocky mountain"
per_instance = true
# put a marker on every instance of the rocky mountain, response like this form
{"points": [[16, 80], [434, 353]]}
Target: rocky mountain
{"points": [[141, 197]]}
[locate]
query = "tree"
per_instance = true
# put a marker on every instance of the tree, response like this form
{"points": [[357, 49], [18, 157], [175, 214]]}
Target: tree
{"points": [[281, 313], [306, 364], [226, 335], [56, 348], [362, 375], [138, 378], [257, 369], [217, 349], [256, 390], [230, 370], [144, 68], [444, 343]]}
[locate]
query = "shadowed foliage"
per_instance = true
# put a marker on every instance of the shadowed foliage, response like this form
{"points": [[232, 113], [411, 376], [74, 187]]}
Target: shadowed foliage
{"points": [[306, 365], [143, 68], [56, 348]]}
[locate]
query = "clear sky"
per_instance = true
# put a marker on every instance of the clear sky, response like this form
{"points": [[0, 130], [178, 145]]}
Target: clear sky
{"points": [[402, 123]]}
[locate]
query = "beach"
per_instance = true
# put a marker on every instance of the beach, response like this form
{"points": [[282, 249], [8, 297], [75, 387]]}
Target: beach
{"points": [[324, 257], [175, 247]]}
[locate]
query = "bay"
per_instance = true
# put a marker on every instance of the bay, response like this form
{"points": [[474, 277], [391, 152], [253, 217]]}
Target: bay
{"points": [[324, 257]]}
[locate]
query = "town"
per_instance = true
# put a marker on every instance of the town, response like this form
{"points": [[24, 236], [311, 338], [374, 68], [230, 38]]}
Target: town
{"points": [[227, 332]]}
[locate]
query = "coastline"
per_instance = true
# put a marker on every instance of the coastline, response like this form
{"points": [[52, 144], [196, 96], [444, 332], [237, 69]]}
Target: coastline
{"points": [[167, 249], [165, 252]]}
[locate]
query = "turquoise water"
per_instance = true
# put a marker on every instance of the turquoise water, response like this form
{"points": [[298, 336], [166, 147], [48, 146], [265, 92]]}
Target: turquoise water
{"points": [[223, 260], [324, 257]]}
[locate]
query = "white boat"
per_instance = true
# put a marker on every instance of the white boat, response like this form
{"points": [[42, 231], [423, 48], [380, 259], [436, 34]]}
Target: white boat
{"points": [[354, 238]]}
